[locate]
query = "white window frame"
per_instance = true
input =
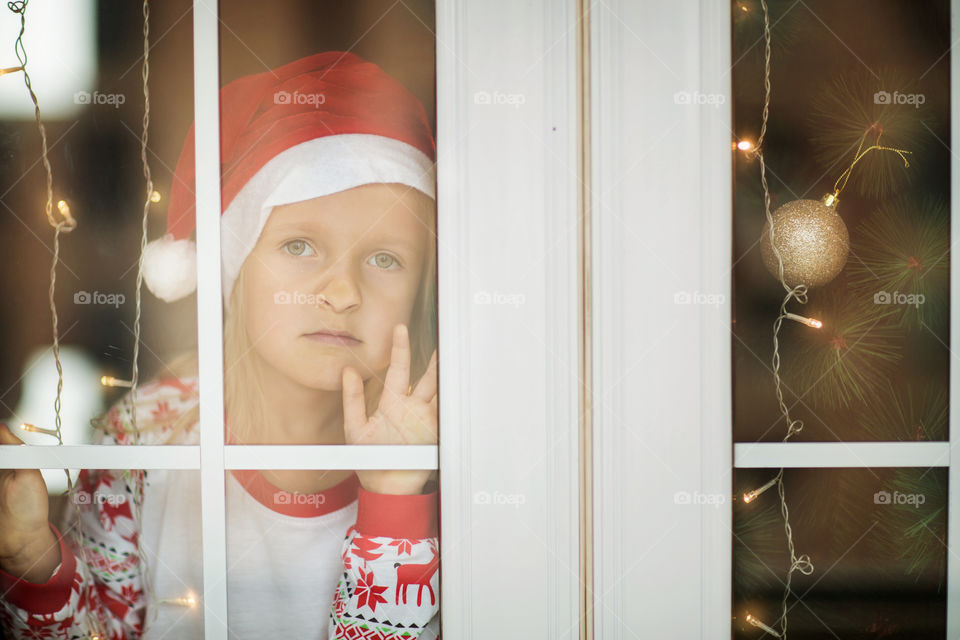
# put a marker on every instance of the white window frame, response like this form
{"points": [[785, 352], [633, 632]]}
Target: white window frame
{"points": [[664, 570], [512, 372]]}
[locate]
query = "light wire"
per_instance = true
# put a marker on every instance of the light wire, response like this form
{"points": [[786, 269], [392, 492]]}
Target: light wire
{"points": [[64, 225], [798, 293]]}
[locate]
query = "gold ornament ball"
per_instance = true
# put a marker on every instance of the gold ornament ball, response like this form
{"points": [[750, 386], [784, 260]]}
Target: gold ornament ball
{"points": [[812, 240]]}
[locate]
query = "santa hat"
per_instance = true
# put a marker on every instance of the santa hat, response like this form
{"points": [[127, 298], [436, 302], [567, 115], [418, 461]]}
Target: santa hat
{"points": [[318, 125]]}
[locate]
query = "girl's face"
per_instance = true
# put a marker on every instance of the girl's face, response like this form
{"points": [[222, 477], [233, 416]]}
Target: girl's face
{"points": [[347, 262]]}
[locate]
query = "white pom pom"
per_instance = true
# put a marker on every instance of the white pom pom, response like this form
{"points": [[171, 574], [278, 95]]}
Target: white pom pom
{"points": [[170, 267]]}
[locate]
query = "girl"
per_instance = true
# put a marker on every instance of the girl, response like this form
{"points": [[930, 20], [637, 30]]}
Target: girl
{"points": [[328, 258]]}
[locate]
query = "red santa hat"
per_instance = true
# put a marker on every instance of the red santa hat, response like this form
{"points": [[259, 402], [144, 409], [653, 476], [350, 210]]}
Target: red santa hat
{"points": [[318, 125]]}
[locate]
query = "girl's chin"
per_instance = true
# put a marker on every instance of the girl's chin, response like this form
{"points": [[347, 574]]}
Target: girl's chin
{"points": [[322, 374], [319, 382]]}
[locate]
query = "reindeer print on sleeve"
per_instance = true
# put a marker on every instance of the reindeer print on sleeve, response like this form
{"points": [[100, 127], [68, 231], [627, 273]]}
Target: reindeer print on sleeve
{"points": [[390, 588], [419, 576]]}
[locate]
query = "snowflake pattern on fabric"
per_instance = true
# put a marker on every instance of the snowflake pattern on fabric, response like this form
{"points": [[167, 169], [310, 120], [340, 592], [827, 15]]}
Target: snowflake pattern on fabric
{"points": [[371, 600]]}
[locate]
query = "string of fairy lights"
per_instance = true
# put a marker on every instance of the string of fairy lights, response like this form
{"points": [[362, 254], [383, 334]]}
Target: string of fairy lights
{"points": [[810, 249], [65, 224]]}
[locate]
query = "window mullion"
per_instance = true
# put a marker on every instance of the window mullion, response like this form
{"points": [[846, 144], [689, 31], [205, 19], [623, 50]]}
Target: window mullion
{"points": [[206, 65], [848, 455]]}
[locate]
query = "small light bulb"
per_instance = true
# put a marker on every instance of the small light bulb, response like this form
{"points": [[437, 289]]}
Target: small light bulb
{"points": [[110, 381], [155, 196], [760, 625], [745, 145], [188, 600], [30, 428], [64, 209], [750, 496], [810, 322]]}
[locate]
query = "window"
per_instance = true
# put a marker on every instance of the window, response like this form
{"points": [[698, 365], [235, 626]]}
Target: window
{"points": [[865, 480], [507, 127]]}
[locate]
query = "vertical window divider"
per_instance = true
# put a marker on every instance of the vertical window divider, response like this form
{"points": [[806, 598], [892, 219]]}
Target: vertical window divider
{"points": [[206, 80]]}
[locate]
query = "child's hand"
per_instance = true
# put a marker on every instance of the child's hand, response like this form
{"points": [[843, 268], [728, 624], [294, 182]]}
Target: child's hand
{"points": [[401, 418], [28, 548]]}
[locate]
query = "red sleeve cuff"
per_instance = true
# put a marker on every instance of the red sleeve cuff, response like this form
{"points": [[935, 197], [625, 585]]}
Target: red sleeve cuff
{"points": [[46, 598], [413, 517]]}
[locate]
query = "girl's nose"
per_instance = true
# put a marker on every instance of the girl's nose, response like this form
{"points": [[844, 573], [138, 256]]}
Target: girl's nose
{"points": [[340, 293]]}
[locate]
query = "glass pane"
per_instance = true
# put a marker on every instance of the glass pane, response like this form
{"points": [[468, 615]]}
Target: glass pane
{"points": [[329, 220], [877, 541], [329, 240], [337, 557], [103, 573], [846, 78], [85, 63]]}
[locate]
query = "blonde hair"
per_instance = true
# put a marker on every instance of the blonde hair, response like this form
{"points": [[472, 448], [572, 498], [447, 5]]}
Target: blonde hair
{"points": [[243, 391]]}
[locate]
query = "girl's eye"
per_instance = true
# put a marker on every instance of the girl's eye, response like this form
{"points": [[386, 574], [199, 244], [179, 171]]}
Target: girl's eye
{"points": [[298, 248], [384, 261]]}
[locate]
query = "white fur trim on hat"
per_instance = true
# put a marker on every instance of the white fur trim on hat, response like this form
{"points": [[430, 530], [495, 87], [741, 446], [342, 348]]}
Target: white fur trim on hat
{"points": [[170, 267], [313, 169]]}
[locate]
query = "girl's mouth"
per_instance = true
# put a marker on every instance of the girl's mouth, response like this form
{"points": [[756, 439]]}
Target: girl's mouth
{"points": [[331, 338]]}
